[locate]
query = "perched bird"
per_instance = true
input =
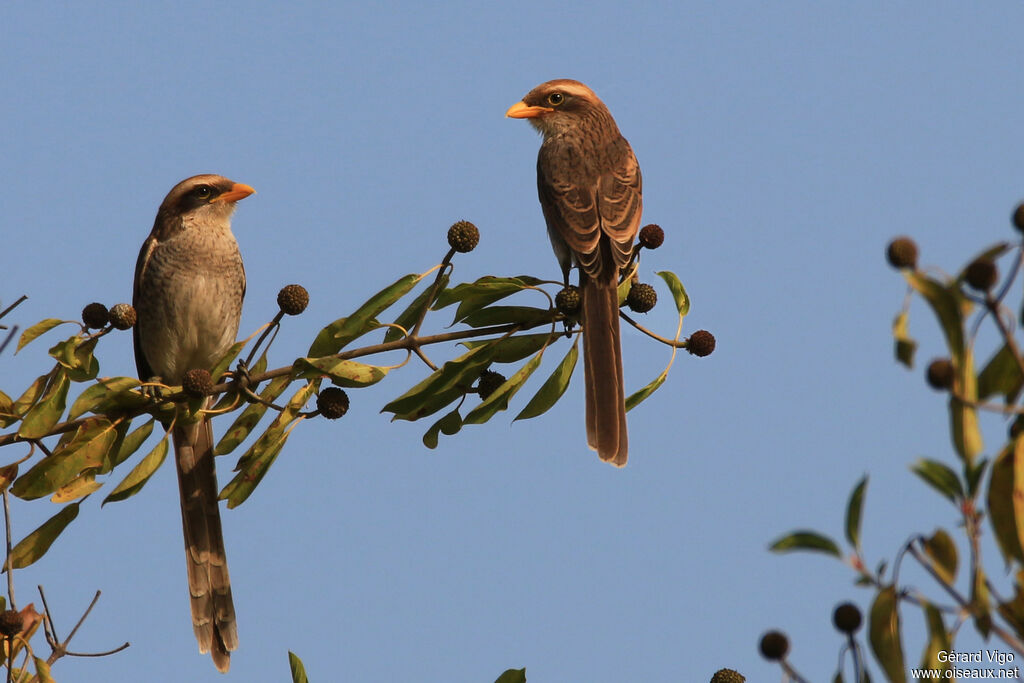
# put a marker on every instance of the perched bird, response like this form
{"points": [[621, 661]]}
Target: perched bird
{"points": [[189, 285], [590, 191]]}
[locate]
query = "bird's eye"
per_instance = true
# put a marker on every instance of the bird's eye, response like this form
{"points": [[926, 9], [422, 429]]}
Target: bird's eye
{"points": [[555, 99], [203, 191]]}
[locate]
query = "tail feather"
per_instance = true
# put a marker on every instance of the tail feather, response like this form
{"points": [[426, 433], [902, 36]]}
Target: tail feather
{"points": [[602, 371], [213, 612]]}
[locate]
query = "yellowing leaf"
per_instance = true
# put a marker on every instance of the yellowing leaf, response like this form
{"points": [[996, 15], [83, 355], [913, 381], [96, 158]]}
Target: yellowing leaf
{"points": [[345, 373], [904, 343], [40, 328], [140, 474], [42, 417], [35, 545], [884, 634], [79, 487]]}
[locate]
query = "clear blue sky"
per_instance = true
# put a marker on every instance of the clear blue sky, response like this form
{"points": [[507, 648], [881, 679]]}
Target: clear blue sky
{"points": [[781, 148]]}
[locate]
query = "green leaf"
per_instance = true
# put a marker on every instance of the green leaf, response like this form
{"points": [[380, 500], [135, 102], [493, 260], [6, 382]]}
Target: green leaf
{"points": [[1013, 610], [258, 459], [806, 540], [679, 294], [948, 304], [43, 416], [132, 442], [298, 670], [940, 477], [905, 344], [254, 463], [448, 425], [853, 512], [121, 427], [636, 398], [938, 640], [140, 474], [40, 328], [35, 545], [443, 386], [964, 417], [227, 358], [31, 395], [501, 396], [505, 315], [344, 373], [512, 676], [85, 450], [942, 551], [472, 296], [96, 396], [77, 357], [1006, 500], [251, 416], [885, 636], [413, 312], [553, 387], [950, 307], [973, 474], [6, 405], [1001, 375], [42, 670], [335, 336], [981, 602], [81, 486], [515, 348]]}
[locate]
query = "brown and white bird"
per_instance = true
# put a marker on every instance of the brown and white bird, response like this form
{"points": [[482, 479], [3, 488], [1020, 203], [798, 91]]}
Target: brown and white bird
{"points": [[590, 191], [189, 285]]}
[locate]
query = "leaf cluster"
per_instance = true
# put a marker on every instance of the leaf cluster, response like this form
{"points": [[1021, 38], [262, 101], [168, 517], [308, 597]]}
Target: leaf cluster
{"points": [[982, 491]]}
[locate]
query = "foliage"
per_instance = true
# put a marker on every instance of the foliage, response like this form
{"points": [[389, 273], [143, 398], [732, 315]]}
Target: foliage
{"points": [[80, 427], [983, 492]]}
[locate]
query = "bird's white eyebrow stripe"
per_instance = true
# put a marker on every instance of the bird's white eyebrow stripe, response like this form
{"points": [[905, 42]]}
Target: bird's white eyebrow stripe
{"points": [[574, 89]]}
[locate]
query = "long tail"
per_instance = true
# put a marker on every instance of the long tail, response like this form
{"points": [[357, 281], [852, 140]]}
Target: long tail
{"points": [[213, 612], [602, 371]]}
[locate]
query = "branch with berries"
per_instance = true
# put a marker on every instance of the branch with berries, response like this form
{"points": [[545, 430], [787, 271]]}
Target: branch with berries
{"points": [[97, 431]]}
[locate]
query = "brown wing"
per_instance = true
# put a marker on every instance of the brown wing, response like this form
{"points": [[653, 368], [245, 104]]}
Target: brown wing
{"points": [[580, 208], [619, 202], [567, 198], [145, 372]]}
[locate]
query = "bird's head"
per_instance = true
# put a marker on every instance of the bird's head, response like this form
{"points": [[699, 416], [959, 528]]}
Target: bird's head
{"points": [[558, 106], [208, 199]]}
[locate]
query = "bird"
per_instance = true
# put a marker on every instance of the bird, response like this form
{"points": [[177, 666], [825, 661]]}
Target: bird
{"points": [[590, 189], [189, 286]]}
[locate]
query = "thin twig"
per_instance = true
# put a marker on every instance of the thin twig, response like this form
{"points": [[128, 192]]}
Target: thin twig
{"points": [[88, 609], [13, 306], [858, 660], [273, 326], [965, 604], [10, 336], [1008, 281], [792, 673], [117, 649], [60, 648], [445, 267], [652, 335], [9, 568], [993, 306], [49, 618]]}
